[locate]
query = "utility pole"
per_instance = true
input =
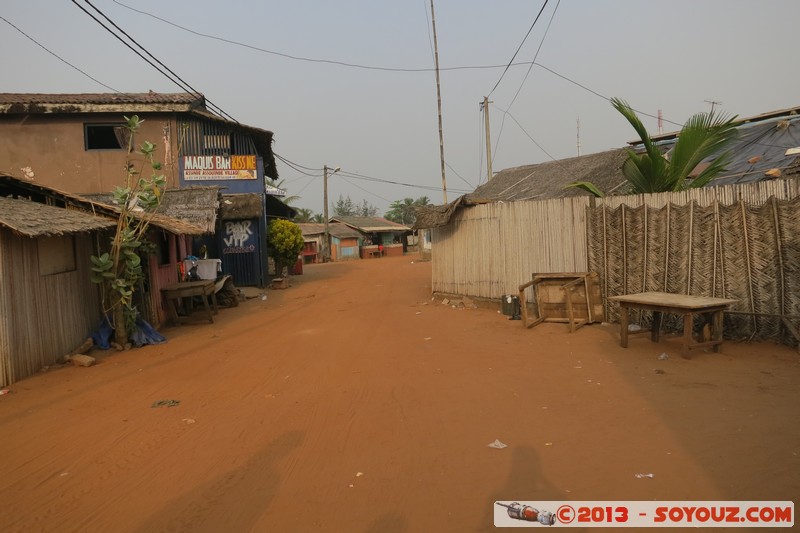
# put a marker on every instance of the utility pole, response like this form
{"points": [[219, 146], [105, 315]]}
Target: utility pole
{"points": [[326, 245], [439, 100], [579, 136], [485, 107], [326, 255]]}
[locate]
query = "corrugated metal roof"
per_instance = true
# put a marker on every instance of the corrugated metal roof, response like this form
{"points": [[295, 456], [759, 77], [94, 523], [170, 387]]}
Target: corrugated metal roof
{"points": [[34, 219], [371, 224], [336, 229]]}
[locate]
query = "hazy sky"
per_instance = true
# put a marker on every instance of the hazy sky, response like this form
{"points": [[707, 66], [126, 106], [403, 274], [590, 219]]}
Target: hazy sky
{"points": [[382, 124]]}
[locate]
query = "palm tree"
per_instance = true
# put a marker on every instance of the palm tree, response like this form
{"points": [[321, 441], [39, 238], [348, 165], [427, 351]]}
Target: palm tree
{"points": [[704, 135], [279, 185], [303, 214], [404, 211]]}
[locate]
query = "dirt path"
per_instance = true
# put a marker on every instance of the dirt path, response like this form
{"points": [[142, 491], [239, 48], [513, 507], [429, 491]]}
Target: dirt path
{"points": [[355, 370]]}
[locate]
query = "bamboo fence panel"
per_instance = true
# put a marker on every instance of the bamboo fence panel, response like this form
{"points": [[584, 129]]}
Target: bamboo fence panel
{"points": [[43, 317], [489, 250]]}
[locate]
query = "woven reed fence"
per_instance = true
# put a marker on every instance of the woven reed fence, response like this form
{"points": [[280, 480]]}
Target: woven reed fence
{"points": [[746, 250], [735, 241]]}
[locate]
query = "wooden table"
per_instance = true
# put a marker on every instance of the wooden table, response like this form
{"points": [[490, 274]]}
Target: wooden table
{"points": [[189, 289], [681, 304]]}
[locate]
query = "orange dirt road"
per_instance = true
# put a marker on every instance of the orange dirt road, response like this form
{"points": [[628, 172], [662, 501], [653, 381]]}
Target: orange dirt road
{"points": [[353, 402]]}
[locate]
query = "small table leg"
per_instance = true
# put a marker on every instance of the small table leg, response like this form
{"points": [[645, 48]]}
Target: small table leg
{"points": [[656, 331], [623, 320], [716, 335], [688, 323]]}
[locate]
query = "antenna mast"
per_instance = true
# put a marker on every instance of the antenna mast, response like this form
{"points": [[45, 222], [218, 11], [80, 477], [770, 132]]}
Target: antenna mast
{"points": [[713, 103]]}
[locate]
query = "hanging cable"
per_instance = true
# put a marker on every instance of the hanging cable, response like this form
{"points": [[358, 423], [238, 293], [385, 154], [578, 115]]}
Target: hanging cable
{"points": [[518, 48], [179, 82], [58, 57]]}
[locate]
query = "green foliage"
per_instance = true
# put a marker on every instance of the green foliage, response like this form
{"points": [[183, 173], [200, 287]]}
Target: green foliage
{"points": [[405, 211], [285, 242], [703, 136], [119, 270], [304, 215], [288, 200], [345, 207]]}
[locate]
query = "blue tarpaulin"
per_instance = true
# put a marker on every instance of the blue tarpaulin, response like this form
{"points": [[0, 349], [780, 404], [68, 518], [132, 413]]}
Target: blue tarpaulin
{"points": [[144, 334]]}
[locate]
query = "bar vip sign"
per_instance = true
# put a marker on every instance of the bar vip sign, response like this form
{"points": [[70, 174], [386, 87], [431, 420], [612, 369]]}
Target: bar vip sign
{"points": [[218, 167]]}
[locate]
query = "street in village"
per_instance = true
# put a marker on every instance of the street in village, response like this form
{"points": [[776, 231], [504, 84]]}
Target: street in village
{"points": [[353, 401]]}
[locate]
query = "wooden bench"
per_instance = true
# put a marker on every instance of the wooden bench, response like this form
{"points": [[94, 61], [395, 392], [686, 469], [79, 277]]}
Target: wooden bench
{"points": [[188, 290]]}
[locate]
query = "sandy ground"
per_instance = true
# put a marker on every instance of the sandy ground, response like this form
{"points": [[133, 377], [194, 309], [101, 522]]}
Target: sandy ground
{"points": [[352, 402]]}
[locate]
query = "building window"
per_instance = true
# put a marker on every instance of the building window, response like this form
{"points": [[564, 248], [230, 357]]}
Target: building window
{"points": [[56, 255], [162, 248], [106, 136]]}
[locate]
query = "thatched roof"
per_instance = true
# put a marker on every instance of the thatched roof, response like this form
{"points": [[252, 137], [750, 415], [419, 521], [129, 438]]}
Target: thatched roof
{"points": [[11, 186], [241, 206], [371, 224], [194, 205], [34, 219], [549, 179], [533, 182]]}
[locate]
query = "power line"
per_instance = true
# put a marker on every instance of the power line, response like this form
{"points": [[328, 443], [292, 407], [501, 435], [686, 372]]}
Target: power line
{"points": [[292, 162], [526, 133], [530, 67], [536, 55], [518, 49], [380, 180], [43, 47], [459, 175], [309, 59], [366, 191], [183, 85], [373, 67], [297, 166], [604, 97]]}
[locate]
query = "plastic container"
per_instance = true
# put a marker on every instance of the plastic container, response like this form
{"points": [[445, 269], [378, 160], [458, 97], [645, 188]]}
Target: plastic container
{"points": [[509, 305]]}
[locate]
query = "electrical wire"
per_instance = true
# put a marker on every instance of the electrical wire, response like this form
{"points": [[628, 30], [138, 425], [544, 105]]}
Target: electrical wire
{"points": [[604, 97], [526, 133], [459, 175], [366, 191], [296, 167], [522, 84], [536, 55], [179, 82], [380, 180], [309, 59], [287, 161], [371, 67], [43, 47], [518, 48]]}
